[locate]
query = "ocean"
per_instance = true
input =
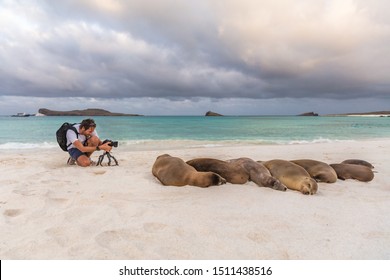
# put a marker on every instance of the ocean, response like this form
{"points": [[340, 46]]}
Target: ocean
{"points": [[164, 132]]}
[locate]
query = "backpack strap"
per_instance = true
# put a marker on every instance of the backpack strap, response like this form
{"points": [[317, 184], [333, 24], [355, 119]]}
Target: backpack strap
{"points": [[75, 131]]}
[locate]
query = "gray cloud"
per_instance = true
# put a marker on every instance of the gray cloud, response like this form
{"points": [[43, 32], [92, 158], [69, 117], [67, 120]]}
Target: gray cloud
{"points": [[188, 49]]}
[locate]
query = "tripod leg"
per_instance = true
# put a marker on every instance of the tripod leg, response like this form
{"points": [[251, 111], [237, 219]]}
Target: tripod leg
{"points": [[100, 160], [110, 157], [116, 162]]}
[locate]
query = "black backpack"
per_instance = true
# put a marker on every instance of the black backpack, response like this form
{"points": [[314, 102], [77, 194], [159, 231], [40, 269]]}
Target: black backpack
{"points": [[61, 134]]}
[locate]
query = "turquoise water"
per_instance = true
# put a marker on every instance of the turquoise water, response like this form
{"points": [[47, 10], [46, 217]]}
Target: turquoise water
{"points": [[190, 131]]}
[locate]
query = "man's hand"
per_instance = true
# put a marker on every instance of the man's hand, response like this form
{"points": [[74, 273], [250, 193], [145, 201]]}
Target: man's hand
{"points": [[105, 147]]}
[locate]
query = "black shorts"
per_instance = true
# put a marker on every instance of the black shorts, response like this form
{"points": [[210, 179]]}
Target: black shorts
{"points": [[75, 153]]}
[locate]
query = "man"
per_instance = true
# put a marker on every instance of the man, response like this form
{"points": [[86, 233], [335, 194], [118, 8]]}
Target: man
{"points": [[81, 146]]}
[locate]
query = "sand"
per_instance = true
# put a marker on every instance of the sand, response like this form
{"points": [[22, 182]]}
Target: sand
{"points": [[53, 211]]}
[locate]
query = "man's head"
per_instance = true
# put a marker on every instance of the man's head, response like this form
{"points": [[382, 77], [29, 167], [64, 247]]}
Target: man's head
{"points": [[87, 126]]}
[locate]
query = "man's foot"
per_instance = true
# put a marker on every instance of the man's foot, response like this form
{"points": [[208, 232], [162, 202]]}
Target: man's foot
{"points": [[71, 161]]}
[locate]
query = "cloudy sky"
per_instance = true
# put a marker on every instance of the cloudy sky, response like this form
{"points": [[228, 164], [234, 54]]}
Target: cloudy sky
{"points": [[172, 57]]}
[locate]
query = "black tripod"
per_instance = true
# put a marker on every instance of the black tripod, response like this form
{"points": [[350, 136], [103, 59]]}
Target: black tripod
{"points": [[110, 158]]}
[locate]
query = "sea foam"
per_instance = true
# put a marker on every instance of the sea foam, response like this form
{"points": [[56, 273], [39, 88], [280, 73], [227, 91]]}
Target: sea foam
{"points": [[26, 146]]}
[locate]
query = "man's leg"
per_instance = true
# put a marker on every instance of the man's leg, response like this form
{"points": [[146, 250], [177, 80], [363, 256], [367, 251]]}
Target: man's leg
{"points": [[81, 158], [92, 142], [83, 161]]}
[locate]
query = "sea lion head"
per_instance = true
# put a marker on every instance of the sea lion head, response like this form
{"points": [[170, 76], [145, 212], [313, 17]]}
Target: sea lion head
{"points": [[217, 179], [308, 186], [276, 184], [279, 186]]}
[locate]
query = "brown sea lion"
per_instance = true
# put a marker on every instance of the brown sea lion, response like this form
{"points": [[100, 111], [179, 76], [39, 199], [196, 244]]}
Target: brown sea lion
{"points": [[353, 171], [318, 170], [238, 171], [259, 174], [174, 171], [359, 162], [233, 173], [292, 175]]}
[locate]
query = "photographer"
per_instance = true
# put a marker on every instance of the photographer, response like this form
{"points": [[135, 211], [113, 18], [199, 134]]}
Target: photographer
{"points": [[82, 145]]}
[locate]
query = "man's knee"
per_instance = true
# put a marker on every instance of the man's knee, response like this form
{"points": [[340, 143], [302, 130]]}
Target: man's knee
{"points": [[83, 161], [93, 141]]}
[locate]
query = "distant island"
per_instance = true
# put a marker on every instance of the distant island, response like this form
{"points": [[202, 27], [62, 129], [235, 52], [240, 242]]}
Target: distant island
{"points": [[309, 114], [212, 114], [376, 113], [368, 114], [86, 112]]}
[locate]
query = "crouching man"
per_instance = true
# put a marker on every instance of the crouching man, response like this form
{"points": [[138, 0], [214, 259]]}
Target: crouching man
{"points": [[82, 144]]}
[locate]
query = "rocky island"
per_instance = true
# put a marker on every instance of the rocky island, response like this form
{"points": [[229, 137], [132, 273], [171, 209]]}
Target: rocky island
{"points": [[212, 114], [86, 112], [309, 114]]}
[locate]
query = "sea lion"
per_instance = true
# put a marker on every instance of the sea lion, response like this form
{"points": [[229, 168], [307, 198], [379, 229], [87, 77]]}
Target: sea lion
{"points": [[238, 171], [233, 173], [353, 171], [292, 175], [318, 170], [174, 171], [359, 162], [259, 174]]}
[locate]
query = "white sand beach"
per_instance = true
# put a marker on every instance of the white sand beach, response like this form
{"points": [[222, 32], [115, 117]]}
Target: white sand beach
{"points": [[53, 211]]}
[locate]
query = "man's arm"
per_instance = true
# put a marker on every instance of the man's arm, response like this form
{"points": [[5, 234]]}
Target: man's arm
{"points": [[87, 149], [81, 147]]}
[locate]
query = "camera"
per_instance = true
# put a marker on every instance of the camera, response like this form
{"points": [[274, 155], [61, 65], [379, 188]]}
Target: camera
{"points": [[111, 143]]}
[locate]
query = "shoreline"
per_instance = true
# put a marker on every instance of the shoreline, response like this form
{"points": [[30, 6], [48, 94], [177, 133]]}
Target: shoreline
{"points": [[53, 211], [172, 144]]}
